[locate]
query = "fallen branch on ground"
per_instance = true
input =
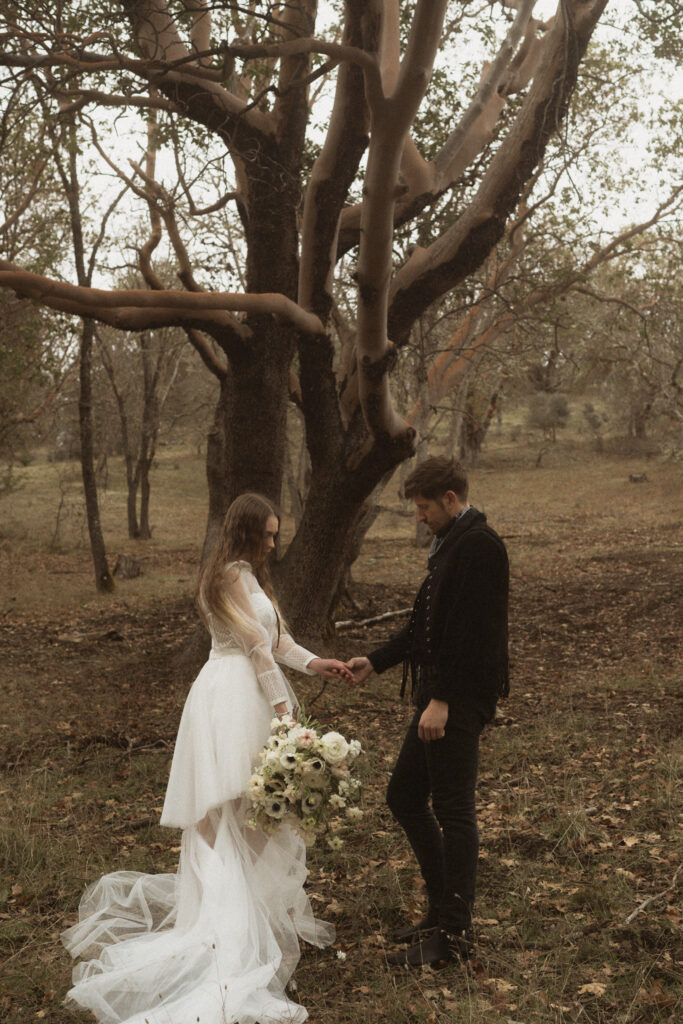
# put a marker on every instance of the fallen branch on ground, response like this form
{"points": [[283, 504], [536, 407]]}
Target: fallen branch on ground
{"points": [[349, 623], [647, 902]]}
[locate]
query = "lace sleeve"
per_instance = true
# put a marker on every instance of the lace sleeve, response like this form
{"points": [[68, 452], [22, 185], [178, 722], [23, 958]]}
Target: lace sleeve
{"points": [[254, 638], [291, 654]]}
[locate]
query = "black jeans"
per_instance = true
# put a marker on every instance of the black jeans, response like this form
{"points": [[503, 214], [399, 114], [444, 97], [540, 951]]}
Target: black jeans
{"points": [[444, 836]]}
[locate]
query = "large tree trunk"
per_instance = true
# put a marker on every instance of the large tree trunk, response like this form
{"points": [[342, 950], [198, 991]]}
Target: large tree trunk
{"points": [[246, 444], [309, 575], [103, 578]]}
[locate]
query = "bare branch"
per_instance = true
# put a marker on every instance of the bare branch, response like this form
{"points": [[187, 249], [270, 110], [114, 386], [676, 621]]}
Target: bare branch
{"points": [[203, 346], [146, 250], [200, 33], [331, 177], [81, 97], [30, 417], [475, 128], [392, 118], [646, 903], [294, 47], [194, 210], [430, 274], [28, 198], [153, 308]]}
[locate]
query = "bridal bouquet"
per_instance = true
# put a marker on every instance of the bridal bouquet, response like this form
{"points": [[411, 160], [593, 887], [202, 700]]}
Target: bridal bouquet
{"points": [[304, 779]]}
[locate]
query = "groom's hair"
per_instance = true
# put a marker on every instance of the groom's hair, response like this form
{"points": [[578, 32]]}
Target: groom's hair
{"points": [[436, 475]]}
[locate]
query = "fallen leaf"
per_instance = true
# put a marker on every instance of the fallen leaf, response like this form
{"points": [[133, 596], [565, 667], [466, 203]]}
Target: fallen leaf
{"points": [[593, 988]]}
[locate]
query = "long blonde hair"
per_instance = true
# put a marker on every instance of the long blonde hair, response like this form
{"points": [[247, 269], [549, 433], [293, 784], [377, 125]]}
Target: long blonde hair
{"points": [[242, 537]]}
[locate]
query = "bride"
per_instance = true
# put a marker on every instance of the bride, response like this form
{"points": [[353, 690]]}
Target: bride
{"points": [[218, 941]]}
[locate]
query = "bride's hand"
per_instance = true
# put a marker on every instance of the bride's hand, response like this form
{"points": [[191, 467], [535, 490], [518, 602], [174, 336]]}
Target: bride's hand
{"points": [[330, 668]]}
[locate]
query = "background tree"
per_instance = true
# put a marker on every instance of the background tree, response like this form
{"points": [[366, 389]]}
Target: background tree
{"points": [[240, 86], [36, 352], [140, 399]]}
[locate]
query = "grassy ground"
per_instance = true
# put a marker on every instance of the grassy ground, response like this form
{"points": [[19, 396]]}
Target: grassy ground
{"points": [[579, 786]]}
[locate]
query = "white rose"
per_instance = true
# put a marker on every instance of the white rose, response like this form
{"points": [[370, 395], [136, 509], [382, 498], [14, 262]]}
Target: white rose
{"points": [[255, 788], [333, 747], [272, 759], [355, 748]]}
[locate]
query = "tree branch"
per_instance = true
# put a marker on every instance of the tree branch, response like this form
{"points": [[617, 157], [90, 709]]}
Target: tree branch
{"points": [[27, 199], [30, 417], [206, 353], [332, 175], [152, 308], [476, 124], [464, 246], [392, 118]]}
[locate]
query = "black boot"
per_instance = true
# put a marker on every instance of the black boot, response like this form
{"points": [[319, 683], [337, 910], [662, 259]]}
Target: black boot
{"points": [[437, 948], [413, 932]]}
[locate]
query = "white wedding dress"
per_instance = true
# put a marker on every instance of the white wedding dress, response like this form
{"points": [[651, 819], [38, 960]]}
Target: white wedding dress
{"points": [[218, 941]]}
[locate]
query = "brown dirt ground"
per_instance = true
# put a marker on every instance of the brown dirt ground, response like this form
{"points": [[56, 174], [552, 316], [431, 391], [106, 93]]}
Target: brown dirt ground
{"points": [[595, 628]]}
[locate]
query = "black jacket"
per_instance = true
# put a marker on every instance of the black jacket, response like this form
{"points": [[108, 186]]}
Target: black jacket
{"points": [[456, 641]]}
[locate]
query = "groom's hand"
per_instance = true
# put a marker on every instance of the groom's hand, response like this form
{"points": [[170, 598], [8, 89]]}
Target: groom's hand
{"points": [[432, 725], [360, 668]]}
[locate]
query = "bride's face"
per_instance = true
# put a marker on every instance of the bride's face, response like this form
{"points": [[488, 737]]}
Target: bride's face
{"points": [[269, 534]]}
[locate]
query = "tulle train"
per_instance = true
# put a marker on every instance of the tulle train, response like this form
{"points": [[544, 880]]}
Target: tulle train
{"points": [[217, 942]]}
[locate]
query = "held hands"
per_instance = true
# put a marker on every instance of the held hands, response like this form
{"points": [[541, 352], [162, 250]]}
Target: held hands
{"points": [[360, 669], [432, 724], [330, 668], [353, 672]]}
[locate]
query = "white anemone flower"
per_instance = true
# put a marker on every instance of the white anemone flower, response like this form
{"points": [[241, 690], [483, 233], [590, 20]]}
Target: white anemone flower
{"points": [[354, 813], [275, 805], [288, 759], [311, 801]]}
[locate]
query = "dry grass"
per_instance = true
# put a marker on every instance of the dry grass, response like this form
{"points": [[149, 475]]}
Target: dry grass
{"points": [[579, 787]]}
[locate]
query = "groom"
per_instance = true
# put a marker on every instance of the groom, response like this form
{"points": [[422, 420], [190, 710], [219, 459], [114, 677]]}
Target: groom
{"points": [[455, 650]]}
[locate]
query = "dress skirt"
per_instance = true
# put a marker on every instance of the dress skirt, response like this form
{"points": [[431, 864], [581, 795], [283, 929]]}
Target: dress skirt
{"points": [[217, 941]]}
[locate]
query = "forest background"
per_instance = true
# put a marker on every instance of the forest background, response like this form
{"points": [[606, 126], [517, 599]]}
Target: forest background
{"points": [[240, 248]]}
